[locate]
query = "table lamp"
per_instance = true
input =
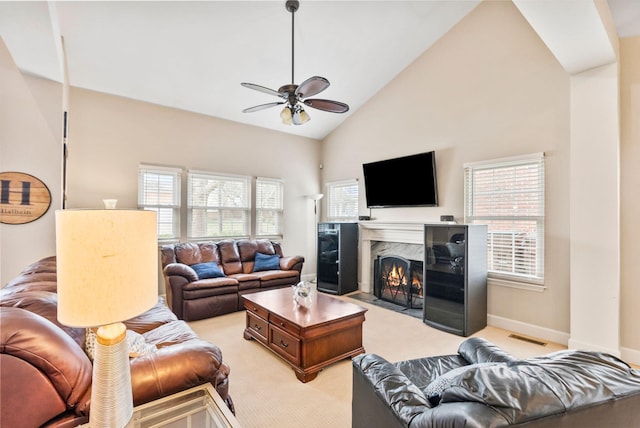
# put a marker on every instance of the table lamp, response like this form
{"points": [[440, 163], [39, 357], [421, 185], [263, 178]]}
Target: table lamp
{"points": [[107, 264]]}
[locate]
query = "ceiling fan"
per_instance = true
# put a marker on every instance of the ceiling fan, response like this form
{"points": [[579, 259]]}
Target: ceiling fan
{"points": [[296, 95]]}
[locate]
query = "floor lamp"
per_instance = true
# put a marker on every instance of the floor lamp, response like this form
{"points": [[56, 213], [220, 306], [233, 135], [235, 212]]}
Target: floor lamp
{"points": [[315, 197], [107, 267]]}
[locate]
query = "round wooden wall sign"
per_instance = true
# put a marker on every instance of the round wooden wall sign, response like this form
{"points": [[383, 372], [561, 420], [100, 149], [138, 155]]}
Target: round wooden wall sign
{"points": [[23, 198]]}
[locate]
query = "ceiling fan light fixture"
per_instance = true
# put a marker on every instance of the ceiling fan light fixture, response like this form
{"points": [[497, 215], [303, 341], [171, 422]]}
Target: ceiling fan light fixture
{"points": [[286, 115], [304, 116], [300, 116], [295, 95]]}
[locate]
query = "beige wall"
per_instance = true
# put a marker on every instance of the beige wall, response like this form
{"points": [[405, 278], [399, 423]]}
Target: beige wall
{"points": [[30, 142], [110, 136], [488, 89], [630, 203], [595, 205]]}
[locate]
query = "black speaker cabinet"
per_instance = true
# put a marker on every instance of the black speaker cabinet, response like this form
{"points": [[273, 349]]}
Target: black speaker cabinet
{"points": [[455, 278], [337, 257]]}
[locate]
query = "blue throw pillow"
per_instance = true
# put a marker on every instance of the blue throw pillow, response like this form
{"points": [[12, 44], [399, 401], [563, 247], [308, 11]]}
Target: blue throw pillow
{"points": [[208, 270], [266, 262]]}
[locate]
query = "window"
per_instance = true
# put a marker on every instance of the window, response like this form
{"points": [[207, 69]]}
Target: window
{"points": [[269, 207], [508, 196], [218, 205], [159, 191], [342, 200]]}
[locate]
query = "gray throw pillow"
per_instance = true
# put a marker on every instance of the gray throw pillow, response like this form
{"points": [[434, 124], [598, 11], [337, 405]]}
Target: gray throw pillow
{"points": [[135, 342], [434, 390]]}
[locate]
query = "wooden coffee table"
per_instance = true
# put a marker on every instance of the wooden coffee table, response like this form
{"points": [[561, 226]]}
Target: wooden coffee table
{"points": [[307, 337]]}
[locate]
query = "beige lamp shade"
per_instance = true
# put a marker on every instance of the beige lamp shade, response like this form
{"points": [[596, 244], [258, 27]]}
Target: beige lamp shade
{"points": [[107, 264]]}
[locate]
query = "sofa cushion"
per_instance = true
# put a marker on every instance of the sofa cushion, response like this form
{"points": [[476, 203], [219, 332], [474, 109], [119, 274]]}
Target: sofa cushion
{"points": [[208, 270], [266, 262], [517, 391], [188, 253], [169, 334], [434, 390], [43, 303], [135, 343], [209, 252], [230, 257], [153, 318]]}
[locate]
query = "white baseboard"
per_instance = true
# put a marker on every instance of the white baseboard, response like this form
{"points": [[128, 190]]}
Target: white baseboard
{"points": [[630, 355], [627, 354], [578, 344], [531, 330]]}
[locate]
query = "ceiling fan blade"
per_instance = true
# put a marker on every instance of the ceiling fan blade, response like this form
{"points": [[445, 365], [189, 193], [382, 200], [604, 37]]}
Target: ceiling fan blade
{"points": [[262, 107], [327, 105], [261, 89], [312, 86]]}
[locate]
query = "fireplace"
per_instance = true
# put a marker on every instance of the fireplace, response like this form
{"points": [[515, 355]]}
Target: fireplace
{"points": [[399, 280]]}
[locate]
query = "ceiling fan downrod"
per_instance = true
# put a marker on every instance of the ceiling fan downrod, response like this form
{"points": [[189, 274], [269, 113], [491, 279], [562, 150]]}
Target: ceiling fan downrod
{"points": [[295, 96], [292, 6]]}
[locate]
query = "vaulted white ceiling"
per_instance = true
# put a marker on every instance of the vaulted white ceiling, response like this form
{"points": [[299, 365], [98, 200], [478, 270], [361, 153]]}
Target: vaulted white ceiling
{"points": [[194, 55]]}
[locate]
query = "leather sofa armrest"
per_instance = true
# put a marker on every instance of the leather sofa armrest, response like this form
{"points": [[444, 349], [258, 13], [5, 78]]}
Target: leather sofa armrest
{"points": [[396, 392], [178, 367], [291, 263], [180, 269], [42, 344], [478, 350]]}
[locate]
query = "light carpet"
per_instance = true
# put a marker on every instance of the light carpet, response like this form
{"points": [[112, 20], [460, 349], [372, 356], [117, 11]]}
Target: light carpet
{"points": [[267, 393]]}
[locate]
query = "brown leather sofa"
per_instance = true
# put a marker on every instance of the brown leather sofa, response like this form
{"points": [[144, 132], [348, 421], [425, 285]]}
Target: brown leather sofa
{"points": [[192, 298], [45, 374], [483, 386]]}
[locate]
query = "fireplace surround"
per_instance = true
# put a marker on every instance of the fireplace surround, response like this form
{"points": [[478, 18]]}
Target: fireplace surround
{"points": [[372, 232], [399, 280]]}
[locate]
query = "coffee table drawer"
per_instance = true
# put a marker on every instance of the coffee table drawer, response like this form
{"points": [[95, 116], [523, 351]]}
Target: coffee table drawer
{"points": [[285, 344], [284, 324], [258, 327], [257, 310]]}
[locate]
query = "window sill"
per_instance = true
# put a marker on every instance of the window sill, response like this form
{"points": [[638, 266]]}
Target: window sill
{"points": [[520, 285]]}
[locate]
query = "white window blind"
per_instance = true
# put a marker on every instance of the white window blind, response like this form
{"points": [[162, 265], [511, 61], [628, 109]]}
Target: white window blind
{"points": [[342, 200], [269, 207], [159, 191], [218, 205], [508, 196]]}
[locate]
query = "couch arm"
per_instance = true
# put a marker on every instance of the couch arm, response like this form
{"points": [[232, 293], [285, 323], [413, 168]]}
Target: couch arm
{"points": [[178, 367], [478, 350], [180, 269], [292, 263], [46, 372], [176, 276], [383, 395]]}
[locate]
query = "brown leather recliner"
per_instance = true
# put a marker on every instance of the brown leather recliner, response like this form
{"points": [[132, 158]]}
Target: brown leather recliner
{"points": [[192, 298], [45, 374]]}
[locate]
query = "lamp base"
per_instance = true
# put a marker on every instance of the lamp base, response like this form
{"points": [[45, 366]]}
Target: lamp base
{"points": [[111, 396]]}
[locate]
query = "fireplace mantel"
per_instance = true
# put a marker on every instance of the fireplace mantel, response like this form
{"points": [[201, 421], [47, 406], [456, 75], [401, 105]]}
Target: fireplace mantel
{"points": [[409, 233]]}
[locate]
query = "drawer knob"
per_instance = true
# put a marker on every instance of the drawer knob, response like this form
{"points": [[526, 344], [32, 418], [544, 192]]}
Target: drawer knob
{"points": [[284, 345], [257, 327], [281, 324]]}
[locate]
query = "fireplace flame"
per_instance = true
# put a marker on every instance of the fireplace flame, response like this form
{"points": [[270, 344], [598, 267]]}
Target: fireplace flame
{"points": [[399, 281], [396, 277]]}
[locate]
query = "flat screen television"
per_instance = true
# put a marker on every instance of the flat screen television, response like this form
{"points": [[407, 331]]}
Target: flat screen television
{"points": [[408, 181]]}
